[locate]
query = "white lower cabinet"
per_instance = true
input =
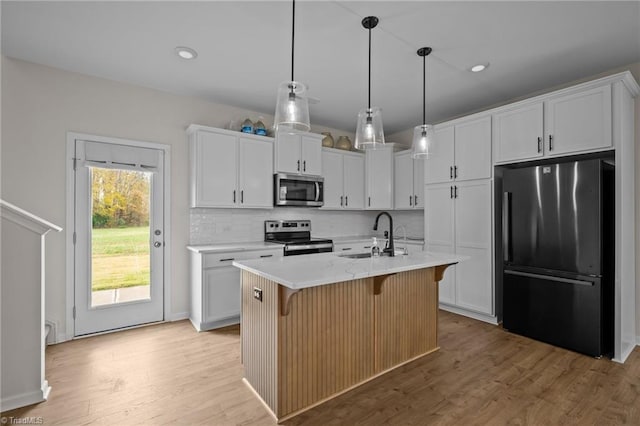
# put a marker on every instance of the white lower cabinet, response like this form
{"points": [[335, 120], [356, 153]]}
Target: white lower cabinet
{"points": [[458, 219], [215, 286]]}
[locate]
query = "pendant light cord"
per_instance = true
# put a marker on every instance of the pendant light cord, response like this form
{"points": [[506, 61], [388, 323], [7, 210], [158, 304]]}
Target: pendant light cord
{"points": [[369, 89], [293, 36], [424, 90]]}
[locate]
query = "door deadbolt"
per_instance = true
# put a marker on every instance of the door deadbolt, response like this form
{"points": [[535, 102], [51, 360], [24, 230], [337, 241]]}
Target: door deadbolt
{"points": [[157, 232]]}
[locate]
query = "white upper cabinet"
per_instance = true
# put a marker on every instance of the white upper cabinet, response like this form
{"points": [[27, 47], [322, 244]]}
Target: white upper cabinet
{"points": [[379, 179], [298, 153], [439, 167], [343, 174], [461, 151], [571, 121], [230, 169], [408, 181], [578, 121]]}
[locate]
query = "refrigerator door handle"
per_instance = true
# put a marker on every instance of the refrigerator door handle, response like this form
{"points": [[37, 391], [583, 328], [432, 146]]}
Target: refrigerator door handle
{"points": [[550, 278], [506, 226]]}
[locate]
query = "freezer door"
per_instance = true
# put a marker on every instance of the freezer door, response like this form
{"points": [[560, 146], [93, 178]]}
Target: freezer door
{"points": [[562, 311], [553, 217]]}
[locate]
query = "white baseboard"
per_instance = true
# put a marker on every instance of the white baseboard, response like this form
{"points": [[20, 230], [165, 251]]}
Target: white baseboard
{"points": [[474, 315], [22, 400], [179, 316]]}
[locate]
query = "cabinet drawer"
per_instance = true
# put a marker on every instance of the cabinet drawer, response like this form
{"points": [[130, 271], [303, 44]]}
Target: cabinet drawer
{"points": [[214, 260]]}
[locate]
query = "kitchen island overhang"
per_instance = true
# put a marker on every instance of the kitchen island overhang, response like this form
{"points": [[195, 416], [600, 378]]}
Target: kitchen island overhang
{"points": [[315, 326]]}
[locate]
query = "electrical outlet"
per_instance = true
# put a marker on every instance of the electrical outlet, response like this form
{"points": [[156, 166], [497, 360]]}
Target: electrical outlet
{"points": [[257, 293]]}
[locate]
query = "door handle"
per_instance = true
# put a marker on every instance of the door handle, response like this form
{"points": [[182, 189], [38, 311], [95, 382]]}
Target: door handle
{"points": [[550, 142], [157, 244], [506, 226]]}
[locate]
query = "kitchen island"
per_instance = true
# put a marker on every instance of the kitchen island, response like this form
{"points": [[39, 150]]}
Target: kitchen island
{"points": [[316, 326]]}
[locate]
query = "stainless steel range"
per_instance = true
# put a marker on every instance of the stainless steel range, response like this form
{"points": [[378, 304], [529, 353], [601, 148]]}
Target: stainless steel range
{"points": [[296, 237]]}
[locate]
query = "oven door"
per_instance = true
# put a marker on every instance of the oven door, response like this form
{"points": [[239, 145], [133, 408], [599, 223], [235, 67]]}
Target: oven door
{"points": [[294, 250], [296, 190]]}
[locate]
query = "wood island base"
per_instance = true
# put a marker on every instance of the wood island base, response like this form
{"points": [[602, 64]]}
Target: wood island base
{"points": [[303, 347]]}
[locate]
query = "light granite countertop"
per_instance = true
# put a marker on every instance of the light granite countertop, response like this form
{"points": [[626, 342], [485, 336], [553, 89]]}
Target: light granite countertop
{"points": [[297, 272], [354, 238]]}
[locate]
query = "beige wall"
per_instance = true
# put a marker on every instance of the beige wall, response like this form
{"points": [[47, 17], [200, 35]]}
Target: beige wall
{"points": [[41, 104]]}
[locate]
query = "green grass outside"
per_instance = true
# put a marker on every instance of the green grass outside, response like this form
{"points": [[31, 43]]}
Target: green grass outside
{"points": [[120, 258]]}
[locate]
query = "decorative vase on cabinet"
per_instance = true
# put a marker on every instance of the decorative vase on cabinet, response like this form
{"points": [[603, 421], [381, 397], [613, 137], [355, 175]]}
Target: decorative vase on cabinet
{"points": [[344, 143], [327, 141]]}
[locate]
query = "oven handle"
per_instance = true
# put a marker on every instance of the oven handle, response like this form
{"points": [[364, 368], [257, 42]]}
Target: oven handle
{"points": [[317, 191], [309, 247]]}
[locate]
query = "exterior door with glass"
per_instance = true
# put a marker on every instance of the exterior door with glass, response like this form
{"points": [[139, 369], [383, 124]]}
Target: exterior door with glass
{"points": [[119, 236]]}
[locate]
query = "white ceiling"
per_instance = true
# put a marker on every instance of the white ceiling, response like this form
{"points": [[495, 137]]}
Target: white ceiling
{"points": [[244, 50]]}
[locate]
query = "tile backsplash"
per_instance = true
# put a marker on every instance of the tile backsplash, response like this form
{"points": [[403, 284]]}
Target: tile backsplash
{"points": [[212, 226]]}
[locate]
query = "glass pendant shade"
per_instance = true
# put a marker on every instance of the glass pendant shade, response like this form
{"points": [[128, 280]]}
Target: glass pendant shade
{"points": [[369, 133], [292, 108], [423, 139]]}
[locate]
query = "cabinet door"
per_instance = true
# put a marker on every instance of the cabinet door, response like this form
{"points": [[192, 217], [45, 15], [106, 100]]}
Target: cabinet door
{"points": [[438, 168], [215, 158], [518, 133], [403, 181], [438, 215], [354, 181], [311, 148], [256, 173], [379, 182], [418, 184], [474, 283], [287, 153], [222, 293], [578, 121], [333, 181], [447, 286], [473, 149]]}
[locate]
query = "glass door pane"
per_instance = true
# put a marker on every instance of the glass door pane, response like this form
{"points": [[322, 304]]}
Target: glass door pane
{"points": [[120, 238]]}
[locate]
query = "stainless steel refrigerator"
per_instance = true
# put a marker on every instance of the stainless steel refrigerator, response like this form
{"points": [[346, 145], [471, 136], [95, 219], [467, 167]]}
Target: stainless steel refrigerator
{"points": [[558, 254]]}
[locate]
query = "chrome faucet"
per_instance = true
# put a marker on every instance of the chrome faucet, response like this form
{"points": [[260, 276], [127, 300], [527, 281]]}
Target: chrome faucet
{"points": [[389, 249], [404, 231]]}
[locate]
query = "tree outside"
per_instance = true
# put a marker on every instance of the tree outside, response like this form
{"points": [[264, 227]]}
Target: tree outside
{"points": [[120, 235]]}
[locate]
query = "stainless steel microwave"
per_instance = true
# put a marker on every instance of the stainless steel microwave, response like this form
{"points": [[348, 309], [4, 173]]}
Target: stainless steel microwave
{"points": [[298, 190]]}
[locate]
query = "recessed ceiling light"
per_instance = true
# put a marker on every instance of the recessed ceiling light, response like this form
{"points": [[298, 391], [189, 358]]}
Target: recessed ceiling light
{"points": [[479, 67], [186, 52]]}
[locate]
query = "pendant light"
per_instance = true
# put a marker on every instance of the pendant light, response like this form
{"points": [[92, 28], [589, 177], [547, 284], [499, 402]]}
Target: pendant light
{"points": [[424, 135], [369, 133], [292, 108]]}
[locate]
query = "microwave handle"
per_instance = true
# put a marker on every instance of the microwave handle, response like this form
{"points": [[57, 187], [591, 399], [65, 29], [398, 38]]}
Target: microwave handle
{"points": [[317, 191]]}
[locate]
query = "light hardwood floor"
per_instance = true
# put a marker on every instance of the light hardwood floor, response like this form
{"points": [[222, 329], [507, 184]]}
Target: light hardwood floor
{"points": [[170, 374]]}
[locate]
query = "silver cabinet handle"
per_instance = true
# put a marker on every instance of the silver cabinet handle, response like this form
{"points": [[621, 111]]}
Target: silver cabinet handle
{"points": [[242, 197], [455, 172], [341, 198], [228, 259], [266, 255], [451, 192], [455, 192], [298, 165], [415, 200], [346, 248], [369, 201], [550, 142], [410, 200], [346, 200], [304, 166], [539, 144], [506, 226], [234, 196]]}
